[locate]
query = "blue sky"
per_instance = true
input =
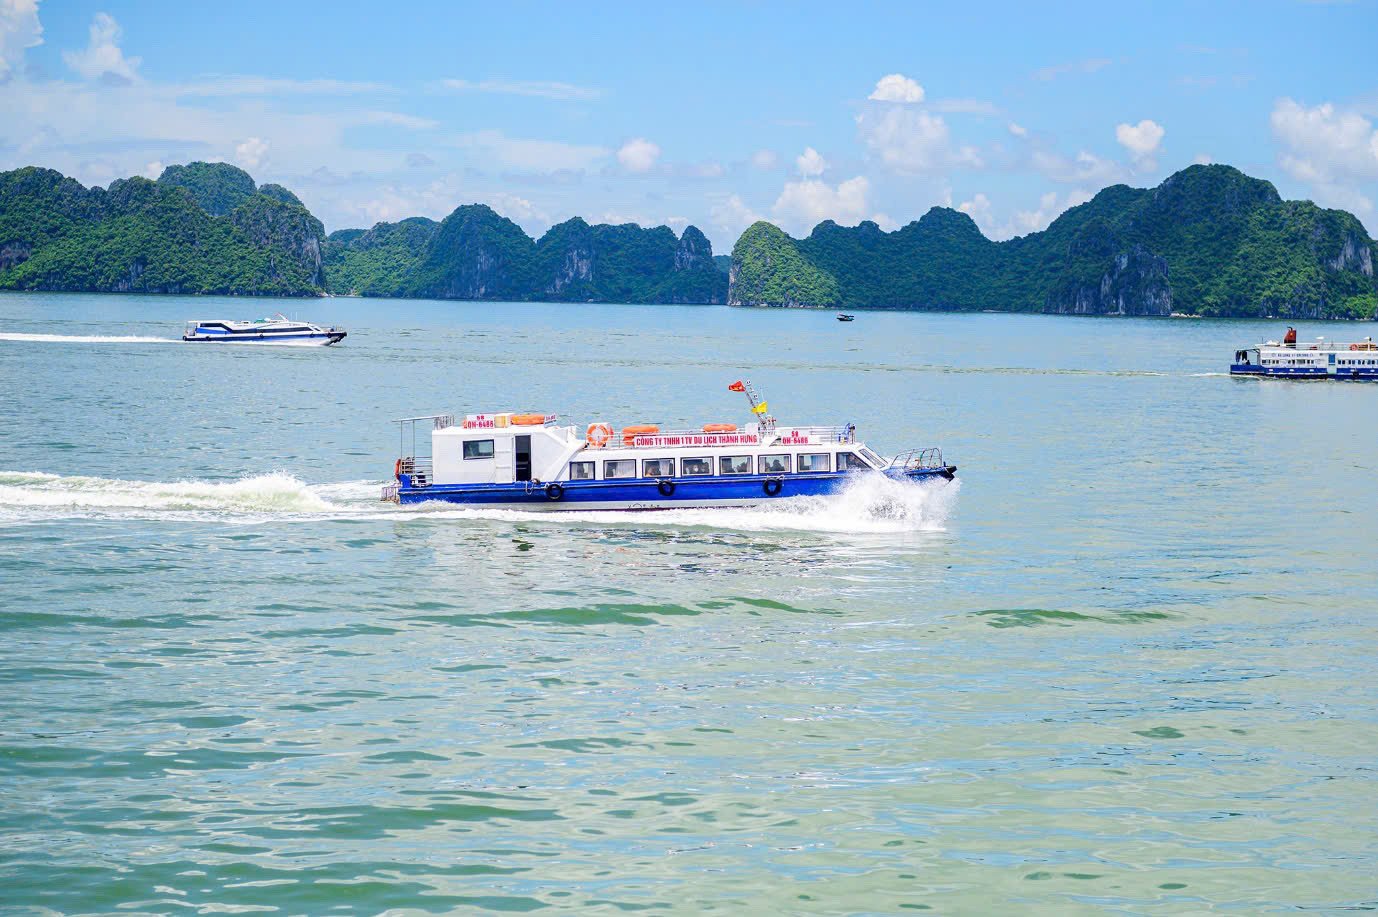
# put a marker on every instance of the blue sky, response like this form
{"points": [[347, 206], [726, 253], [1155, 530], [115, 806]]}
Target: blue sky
{"points": [[705, 113]]}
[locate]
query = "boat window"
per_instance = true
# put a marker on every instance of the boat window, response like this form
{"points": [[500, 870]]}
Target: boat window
{"points": [[658, 468], [875, 460], [772, 464], [697, 466], [735, 464], [619, 468], [478, 448], [814, 461], [581, 471], [850, 461]]}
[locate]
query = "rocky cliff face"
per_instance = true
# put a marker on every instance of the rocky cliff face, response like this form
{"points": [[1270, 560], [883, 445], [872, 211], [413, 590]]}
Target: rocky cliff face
{"points": [[1356, 254], [217, 187], [157, 237], [288, 232], [475, 254], [1209, 240], [1134, 283]]}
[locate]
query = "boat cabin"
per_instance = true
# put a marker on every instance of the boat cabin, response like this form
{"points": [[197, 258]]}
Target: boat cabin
{"points": [[514, 448]]}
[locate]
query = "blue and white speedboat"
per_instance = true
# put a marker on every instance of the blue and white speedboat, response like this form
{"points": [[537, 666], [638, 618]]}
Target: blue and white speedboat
{"points": [[276, 329], [531, 461], [1342, 361]]}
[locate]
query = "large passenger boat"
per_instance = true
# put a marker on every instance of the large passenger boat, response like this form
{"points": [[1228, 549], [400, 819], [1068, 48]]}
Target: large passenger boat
{"points": [[1346, 361], [532, 461], [277, 328]]}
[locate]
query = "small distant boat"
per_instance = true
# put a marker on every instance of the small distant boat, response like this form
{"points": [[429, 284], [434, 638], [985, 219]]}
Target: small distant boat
{"points": [[532, 462], [1342, 361], [845, 317], [277, 328]]}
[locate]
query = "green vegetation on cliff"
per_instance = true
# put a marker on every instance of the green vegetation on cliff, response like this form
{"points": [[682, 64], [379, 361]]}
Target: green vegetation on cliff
{"points": [[1209, 240], [376, 262], [769, 269], [217, 186], [477, 254], [145, 236]]}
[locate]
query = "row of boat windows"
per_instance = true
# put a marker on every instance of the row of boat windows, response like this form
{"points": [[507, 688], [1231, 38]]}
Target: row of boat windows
{"points": [[616, 469], [1343, 361], [252, 330]]}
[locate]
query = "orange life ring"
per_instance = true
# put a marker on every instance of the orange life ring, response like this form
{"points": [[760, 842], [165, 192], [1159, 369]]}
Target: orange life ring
{"points": [[1353, 346], [527, 420], [598, 435], [631, 432], [397, 471], [720, 428]]}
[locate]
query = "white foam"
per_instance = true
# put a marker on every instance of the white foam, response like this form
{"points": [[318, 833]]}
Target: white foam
{"points": [[870, 504], [84, 339], [266, 493]]}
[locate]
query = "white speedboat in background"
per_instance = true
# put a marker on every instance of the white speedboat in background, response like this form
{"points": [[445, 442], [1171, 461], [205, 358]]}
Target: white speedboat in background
{"points": [[278, 328]]}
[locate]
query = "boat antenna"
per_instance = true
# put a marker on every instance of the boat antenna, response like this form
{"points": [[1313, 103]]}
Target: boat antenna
{"points": [[759, 407]]}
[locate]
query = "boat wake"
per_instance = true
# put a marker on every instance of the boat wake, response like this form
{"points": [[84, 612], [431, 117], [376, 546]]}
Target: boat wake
{"points": [[26, 492], [871, 504], [84, 338]]}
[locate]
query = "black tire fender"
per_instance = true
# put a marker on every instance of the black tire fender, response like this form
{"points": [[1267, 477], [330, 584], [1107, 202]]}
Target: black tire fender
{"points": [[554, 491], [772, 486], [666, 487]]}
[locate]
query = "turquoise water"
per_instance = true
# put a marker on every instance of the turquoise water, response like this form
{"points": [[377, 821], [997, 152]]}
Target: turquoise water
{"points": [[1126, 664]]}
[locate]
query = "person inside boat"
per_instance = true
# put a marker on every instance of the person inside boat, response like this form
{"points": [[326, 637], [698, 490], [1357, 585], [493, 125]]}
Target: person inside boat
{"points": [[1290, 338]]}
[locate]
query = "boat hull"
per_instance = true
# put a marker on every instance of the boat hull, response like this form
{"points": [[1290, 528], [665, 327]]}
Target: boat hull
{"points": [[645, 493], [324, 339], [1339, 374]]}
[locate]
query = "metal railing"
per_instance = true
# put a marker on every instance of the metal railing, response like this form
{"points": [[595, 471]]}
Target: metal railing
{"points": [[419, 469], [817, 435], [919, 458], [1319, 345], [841, 434]]}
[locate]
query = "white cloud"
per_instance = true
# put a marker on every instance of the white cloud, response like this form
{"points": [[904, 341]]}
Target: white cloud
{"points": [[240, 85], [541, 89], [153, 169], [1021, 222], [1324, 143], [638, 155], [979, 209], [1089, 65], [705, 170], [913, 141], [810, 163], [1334, 151], [102, 58], [496, 149], [19, 29], [1202, 159], [804, 204], [897, 88], [1018, 130], [765, 159], [250, 153], [1084, 168], [1141, 139], [964, 106], [732, 216]]}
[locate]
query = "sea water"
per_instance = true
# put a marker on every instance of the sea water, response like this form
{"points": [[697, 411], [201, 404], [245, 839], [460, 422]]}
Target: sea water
{"points": [[1125, 662]]}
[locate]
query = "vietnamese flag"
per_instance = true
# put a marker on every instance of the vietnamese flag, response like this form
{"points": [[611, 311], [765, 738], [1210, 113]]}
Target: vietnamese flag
{"points": [[737, 386]]}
